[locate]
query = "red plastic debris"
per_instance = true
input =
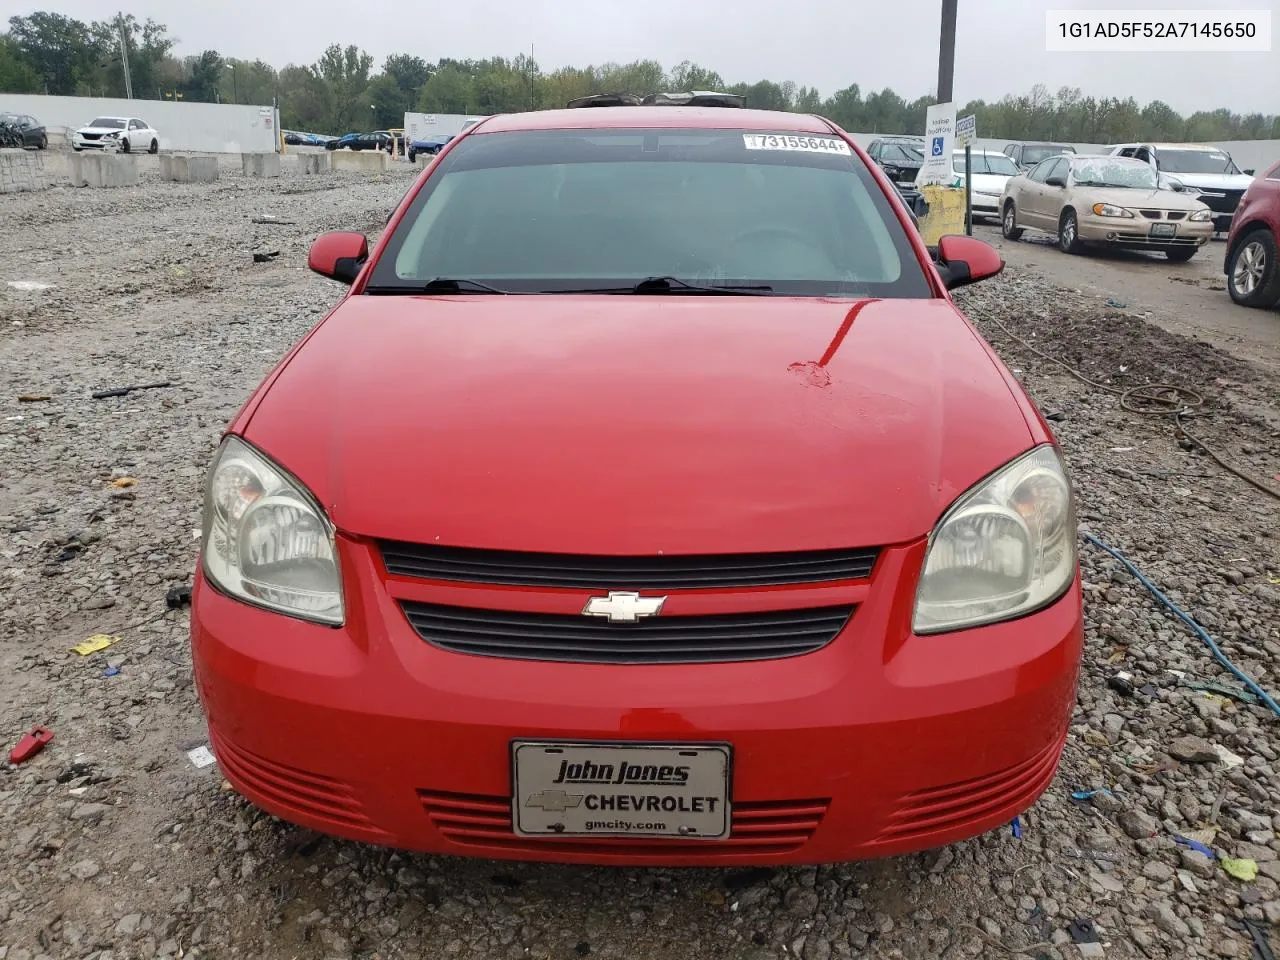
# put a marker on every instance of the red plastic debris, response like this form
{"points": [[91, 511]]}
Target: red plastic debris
{"points": [[32, 742]]}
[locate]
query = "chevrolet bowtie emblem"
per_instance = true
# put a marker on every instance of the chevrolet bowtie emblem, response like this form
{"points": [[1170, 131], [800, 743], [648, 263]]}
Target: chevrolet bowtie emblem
{"points": [[554, 801], [622, 607]]}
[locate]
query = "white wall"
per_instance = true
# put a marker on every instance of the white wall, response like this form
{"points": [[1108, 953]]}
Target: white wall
{"points": [[423, 126], [198, 127]]}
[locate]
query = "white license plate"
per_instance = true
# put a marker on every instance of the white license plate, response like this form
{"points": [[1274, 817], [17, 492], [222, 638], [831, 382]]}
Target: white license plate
{"points": [[1164, 229], [620, 790]]}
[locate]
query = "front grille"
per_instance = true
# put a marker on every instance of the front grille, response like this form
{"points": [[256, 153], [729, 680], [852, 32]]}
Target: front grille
{"points": [[590, 572], [758, 827], [720, 638], [91, 136], [1151, 214], [1175, 215]]}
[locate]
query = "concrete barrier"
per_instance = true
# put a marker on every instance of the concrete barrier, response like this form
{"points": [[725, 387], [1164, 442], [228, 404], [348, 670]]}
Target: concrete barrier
{"points": [[260, 164], [104, 170], [313, 163], [20, 171], [360, 161], [185, 168]]}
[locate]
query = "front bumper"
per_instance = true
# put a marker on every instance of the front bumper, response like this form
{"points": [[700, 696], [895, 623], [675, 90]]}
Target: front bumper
{"points": [[879, 743], [1136, 232]]}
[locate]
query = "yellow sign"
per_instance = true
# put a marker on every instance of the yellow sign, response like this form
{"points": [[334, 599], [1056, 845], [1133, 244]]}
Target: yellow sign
{"points": [[946, 213], [99, 641]]}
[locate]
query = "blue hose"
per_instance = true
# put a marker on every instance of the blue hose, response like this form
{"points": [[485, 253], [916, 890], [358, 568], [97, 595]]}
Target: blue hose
{"points": [[1185, 618]]}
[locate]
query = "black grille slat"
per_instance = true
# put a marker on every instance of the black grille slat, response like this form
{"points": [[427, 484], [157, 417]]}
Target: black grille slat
{"points": [[682, 639], [1226, 203], [461, 564], [1152, 214]]}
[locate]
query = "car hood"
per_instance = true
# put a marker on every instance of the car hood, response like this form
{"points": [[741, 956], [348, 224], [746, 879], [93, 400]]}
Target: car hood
{"points": [[100, 130], [637, 425], [1212, 181], [989, 183], [1134, 197]]}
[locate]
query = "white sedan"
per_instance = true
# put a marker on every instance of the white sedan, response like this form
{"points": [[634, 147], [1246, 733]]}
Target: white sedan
{"points": [[991, 171], [125, 134]]}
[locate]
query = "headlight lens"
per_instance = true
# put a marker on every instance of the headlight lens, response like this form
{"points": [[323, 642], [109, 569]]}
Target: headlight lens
{"points": [[1004, 549], [1110, 210], [1200, 216], [266, 540]]}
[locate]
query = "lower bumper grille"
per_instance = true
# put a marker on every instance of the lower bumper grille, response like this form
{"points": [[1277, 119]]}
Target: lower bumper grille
{"points": [[290, 790], [574, 638], [953, 805], [760, 827]]}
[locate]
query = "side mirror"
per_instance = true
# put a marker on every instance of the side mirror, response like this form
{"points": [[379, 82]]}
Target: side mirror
{"points": [[964, 260], [1055, 181], [1249, 173], [1176, 185], [339, 255]]}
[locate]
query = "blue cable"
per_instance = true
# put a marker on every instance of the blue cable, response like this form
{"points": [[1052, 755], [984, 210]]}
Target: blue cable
{"points": [[1199, 630]]}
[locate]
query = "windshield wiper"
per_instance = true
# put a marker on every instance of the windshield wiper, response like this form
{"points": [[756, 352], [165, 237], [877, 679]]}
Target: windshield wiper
{"points": [[675, 285], [439, 285]]}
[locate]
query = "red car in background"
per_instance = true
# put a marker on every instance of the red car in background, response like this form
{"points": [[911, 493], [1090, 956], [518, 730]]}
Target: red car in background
{"points": [[1252, 262], [647, 500]]}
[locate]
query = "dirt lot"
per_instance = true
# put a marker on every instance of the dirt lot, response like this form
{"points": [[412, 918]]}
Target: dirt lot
{"points": [[1187, 298], [115, 846]]}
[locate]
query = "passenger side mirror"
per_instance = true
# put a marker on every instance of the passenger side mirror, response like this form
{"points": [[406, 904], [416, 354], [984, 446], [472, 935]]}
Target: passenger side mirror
{"points": [[339, 255], [964, 260], [1249, 173], [1055, 181], [1175, 184]]}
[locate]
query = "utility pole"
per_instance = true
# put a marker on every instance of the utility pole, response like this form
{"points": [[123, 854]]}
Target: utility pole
{"points": [[531, 68], [124, 57], [947, 51]]}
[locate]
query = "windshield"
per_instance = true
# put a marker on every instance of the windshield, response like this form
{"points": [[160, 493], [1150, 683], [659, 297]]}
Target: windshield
{"points": [[1034, 154], [996, 163], [1195, 161], [1114, 172], [586, 210], [110, 123]]}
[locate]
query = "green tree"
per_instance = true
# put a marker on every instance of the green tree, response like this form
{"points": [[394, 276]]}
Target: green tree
{"points": [[16, 74], [345, 72], [59, 50]]}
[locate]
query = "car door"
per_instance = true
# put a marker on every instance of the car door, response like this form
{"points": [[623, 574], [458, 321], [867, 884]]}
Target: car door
{"points": [[30, 134], [1030, 199], [1053, 197]]}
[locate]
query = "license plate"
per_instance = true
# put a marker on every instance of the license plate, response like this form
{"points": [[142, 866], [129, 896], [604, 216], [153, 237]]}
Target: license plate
{"points": [[620, 790], [1164, 229]]}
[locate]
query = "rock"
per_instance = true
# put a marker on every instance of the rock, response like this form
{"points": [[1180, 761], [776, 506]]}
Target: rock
{"points": [[1197, 863], [801, 901], [86, 869], [1166, 920], [1136, 824], [90, 811], [1193, 750], [129, 924], [1157, 871]]}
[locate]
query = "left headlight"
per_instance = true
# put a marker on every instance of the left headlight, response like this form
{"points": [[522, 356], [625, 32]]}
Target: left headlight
{"points": [[1200, 216], [1006, 548], [266, 539]]}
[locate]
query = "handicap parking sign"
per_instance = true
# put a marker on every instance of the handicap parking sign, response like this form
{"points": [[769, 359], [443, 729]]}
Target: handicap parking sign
{"points": [[937, 146]]}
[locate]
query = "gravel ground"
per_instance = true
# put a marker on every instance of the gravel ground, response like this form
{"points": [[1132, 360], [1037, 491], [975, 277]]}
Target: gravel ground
{"points": [[114, 845]]}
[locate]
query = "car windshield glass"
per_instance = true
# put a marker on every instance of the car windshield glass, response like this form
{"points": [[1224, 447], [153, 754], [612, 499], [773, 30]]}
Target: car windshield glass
{"points": [[1114, 172], [1195, 161], [1034, 154], [109, 123], [913, 151], [582, 210], [996, 163]]}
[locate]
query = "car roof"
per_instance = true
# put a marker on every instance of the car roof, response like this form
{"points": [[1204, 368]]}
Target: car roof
{"points": [[1186, 146], [621, 118]]}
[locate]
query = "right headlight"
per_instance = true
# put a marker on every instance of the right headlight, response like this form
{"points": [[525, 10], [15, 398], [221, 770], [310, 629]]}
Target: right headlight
{"points": [[1006, 548], [266, 540]]}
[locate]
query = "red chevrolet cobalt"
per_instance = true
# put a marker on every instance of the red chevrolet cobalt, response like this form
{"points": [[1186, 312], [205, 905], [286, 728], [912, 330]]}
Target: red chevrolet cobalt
{"points": [[647, 500]]}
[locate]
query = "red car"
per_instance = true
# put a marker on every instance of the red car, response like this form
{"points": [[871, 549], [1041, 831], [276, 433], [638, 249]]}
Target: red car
{"points": [[647, 500], [1252, 263]]}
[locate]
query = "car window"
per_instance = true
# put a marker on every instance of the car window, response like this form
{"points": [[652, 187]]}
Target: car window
{"points": [[546, 211], [1195, 161], [893, 152], [1041, 151], [1040, 171], [1057, 168], [1274, 172], [108, 123], [1114, 172], [1010, 151], [995, 163], [874, 150]]}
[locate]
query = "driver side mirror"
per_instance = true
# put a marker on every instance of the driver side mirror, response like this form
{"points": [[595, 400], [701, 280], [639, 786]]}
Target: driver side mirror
{"points": [[339, 255], [1250, 173], [1173, 183], [1055, 181], [963, 260]]}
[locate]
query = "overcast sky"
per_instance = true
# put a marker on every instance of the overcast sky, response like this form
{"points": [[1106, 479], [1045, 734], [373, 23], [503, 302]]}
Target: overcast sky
{"points": [[1000, 44]]}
